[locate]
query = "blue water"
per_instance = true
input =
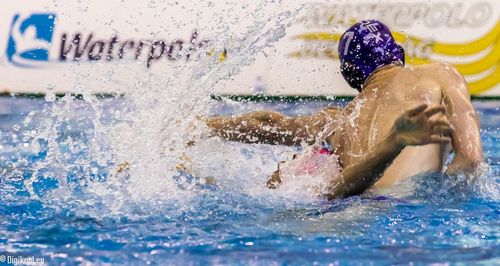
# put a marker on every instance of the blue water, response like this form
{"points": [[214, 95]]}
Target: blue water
{"points": [[427, 219]]}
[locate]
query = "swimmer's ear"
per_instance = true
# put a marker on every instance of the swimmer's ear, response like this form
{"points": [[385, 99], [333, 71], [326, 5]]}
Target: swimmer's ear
{"points": [[402, 51]]}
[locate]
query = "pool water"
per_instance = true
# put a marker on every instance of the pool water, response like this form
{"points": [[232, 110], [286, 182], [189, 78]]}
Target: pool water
{"points": [[68, 208]]}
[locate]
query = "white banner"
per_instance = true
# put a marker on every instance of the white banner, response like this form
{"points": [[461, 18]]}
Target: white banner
{"points": [[102, 45]]}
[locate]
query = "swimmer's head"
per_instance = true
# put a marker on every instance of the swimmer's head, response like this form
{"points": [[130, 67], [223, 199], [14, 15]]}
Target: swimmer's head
{"points": [[363, 48]]}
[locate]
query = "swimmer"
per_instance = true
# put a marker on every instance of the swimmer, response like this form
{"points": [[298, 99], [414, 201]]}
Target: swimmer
{"points": [[405, 120]]}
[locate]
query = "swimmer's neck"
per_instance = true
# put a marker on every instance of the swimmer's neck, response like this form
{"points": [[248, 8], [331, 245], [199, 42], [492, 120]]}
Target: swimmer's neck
{"points": [[381, 72]]}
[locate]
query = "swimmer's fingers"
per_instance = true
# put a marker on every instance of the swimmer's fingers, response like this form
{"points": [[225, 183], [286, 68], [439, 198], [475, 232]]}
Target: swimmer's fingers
{"points": [[435, 110], [437, 117], [441, 122], [439, 139], [442, 126], [416, 110], [442, 130]]}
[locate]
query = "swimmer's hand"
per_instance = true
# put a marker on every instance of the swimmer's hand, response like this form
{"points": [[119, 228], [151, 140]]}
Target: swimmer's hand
{"points": [[422, 125], [274, 180]]}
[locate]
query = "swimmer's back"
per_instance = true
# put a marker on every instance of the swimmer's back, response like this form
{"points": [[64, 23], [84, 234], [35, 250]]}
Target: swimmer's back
{"points": [[370, 117]]}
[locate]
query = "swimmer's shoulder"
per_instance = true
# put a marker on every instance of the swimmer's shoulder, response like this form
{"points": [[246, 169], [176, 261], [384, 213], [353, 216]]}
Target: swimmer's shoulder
{"points": [[429, 70], [443, 73], [437, 69], [430, 67]]}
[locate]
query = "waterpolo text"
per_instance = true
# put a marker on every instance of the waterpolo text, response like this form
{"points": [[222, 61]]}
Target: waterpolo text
{"points": [[79, 47], [431, 14]]}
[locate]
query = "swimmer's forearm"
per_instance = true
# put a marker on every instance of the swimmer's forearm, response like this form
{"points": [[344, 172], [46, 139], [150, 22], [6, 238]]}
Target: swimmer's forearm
{"points": [[466, 141], [362, 174], [228, 128], [259, 127], [258, 136], [466, 138]]}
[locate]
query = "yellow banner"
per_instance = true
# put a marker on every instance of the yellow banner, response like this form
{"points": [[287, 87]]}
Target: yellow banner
{"points": [[490, 63]]}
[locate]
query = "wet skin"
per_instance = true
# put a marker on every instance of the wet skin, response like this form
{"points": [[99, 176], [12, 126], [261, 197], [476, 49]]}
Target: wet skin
{"points": [[368, 119], [397, 127]]}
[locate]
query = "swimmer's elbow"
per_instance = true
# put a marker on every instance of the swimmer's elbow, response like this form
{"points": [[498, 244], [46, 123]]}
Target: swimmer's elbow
{"points": [[474, 159], [465, 165]]}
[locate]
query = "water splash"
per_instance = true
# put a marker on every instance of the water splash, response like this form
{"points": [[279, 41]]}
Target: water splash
{"points": [[131, 153]]}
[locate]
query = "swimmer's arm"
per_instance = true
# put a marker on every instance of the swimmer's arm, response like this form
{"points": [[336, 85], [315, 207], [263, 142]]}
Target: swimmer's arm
{"points": [[466, 138], [412, 128], [271, 127], [362, 174]]}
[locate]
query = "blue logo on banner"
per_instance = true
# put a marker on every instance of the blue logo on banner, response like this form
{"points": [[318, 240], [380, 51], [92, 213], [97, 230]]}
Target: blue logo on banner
{"points": [[30, 39]]}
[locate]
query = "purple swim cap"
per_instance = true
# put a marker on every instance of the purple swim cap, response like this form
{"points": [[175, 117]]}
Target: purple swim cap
{"points": [[363, 48]]}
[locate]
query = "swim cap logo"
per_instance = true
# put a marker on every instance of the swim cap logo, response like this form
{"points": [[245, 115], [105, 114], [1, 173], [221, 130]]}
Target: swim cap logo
{"points": [[372, 28], [30, 39]]}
